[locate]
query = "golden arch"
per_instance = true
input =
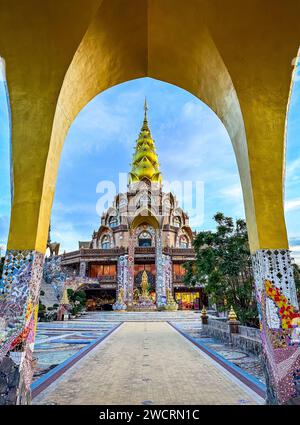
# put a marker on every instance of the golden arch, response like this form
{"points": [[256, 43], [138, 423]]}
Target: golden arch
{"points": [[144, 217], [235, 56], [243, 80]]}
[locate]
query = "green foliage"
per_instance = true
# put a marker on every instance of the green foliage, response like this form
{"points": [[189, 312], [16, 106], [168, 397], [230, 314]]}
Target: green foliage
{"points": [[77, 300], [296, 270], [42, 311], [189, 278], [47, 314], [70, 293], [1, 265], [223, 266]]}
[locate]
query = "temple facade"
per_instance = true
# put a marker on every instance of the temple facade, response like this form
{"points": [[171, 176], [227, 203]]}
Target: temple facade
{"points": [[143, 234]]}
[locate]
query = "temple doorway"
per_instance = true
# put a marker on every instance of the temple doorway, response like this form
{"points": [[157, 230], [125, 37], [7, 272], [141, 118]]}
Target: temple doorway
{"points": [[100, 299], [190, 298]]}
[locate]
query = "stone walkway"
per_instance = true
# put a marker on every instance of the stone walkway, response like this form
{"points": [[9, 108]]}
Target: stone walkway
{"points": [[146, 363]]}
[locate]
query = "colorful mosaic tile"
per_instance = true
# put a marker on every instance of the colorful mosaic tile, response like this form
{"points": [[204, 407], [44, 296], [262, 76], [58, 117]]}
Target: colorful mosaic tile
{"points": [[161, 294], [279, 318], [19, 299]]}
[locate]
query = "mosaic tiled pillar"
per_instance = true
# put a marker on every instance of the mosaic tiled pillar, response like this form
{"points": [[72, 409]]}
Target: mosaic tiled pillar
{"points": [[123, 274], [122, 281], [130, 283], [19, 302], [82, 269], [280, 324], [161, 298], [167, 273]]}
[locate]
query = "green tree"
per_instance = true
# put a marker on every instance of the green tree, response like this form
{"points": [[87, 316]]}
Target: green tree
{"points": [[296, 270], [189, 278], [1, 265], [77, 300], [223, 266]]}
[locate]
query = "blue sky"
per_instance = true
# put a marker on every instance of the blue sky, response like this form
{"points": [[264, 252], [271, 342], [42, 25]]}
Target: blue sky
{"points": [[192, 144]]}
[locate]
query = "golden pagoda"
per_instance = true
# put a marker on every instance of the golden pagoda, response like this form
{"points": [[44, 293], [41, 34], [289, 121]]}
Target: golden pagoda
{"points": [[149, 224], [144, 285], [145, 161], [232, 315], [65, 299]]}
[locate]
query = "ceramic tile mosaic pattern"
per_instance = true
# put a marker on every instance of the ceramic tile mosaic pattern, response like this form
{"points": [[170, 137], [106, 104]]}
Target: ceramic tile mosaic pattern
{"points": [[161, 298], [19, 300], [250, 363], [279, 321], [122, 283], [58, 341]]}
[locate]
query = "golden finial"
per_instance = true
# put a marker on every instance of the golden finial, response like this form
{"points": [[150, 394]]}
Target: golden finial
{"points": [[144, 284], [65, 299], [145, 123], [121, 296], [203, 312], [232, 315]]}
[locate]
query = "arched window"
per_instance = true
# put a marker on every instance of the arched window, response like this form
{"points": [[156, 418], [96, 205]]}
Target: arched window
{"points": [[113, 221], [122, 202], [176, 221], [144, 201], [105, 242], [145, 239], [183, 242], [166, 203]]}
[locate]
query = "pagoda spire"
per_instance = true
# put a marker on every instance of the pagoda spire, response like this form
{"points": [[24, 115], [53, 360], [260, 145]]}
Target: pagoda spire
{"points": [[145, 161], [145, 126]]}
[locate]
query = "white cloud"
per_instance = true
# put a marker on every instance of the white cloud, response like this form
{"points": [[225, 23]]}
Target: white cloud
{"points": [[296, 256], [292, 168], [2, 70], [295, 248], [233, 193], [192, 110], [62, 209], [292, 204], [67, 234]]}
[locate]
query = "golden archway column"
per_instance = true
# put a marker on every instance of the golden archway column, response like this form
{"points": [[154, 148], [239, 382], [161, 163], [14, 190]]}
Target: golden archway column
{"points": [[258, 52], [37, 42], [273, 272], [264, 112], [264, 116]]}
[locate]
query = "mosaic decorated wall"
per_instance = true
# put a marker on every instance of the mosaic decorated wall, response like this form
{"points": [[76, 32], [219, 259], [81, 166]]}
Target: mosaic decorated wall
{"points": [[167, 272], [82, 269], [122, 282], [19, 301], [52, 269], [161, 296], [130, 283], [279, 322], [54, 274]]}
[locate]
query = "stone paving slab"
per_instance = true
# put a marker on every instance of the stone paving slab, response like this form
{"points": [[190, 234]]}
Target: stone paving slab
{"points": [[146, 363]]}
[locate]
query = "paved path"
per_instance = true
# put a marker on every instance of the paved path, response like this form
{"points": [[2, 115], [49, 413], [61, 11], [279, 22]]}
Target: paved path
{"points": [[146, 363]]}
